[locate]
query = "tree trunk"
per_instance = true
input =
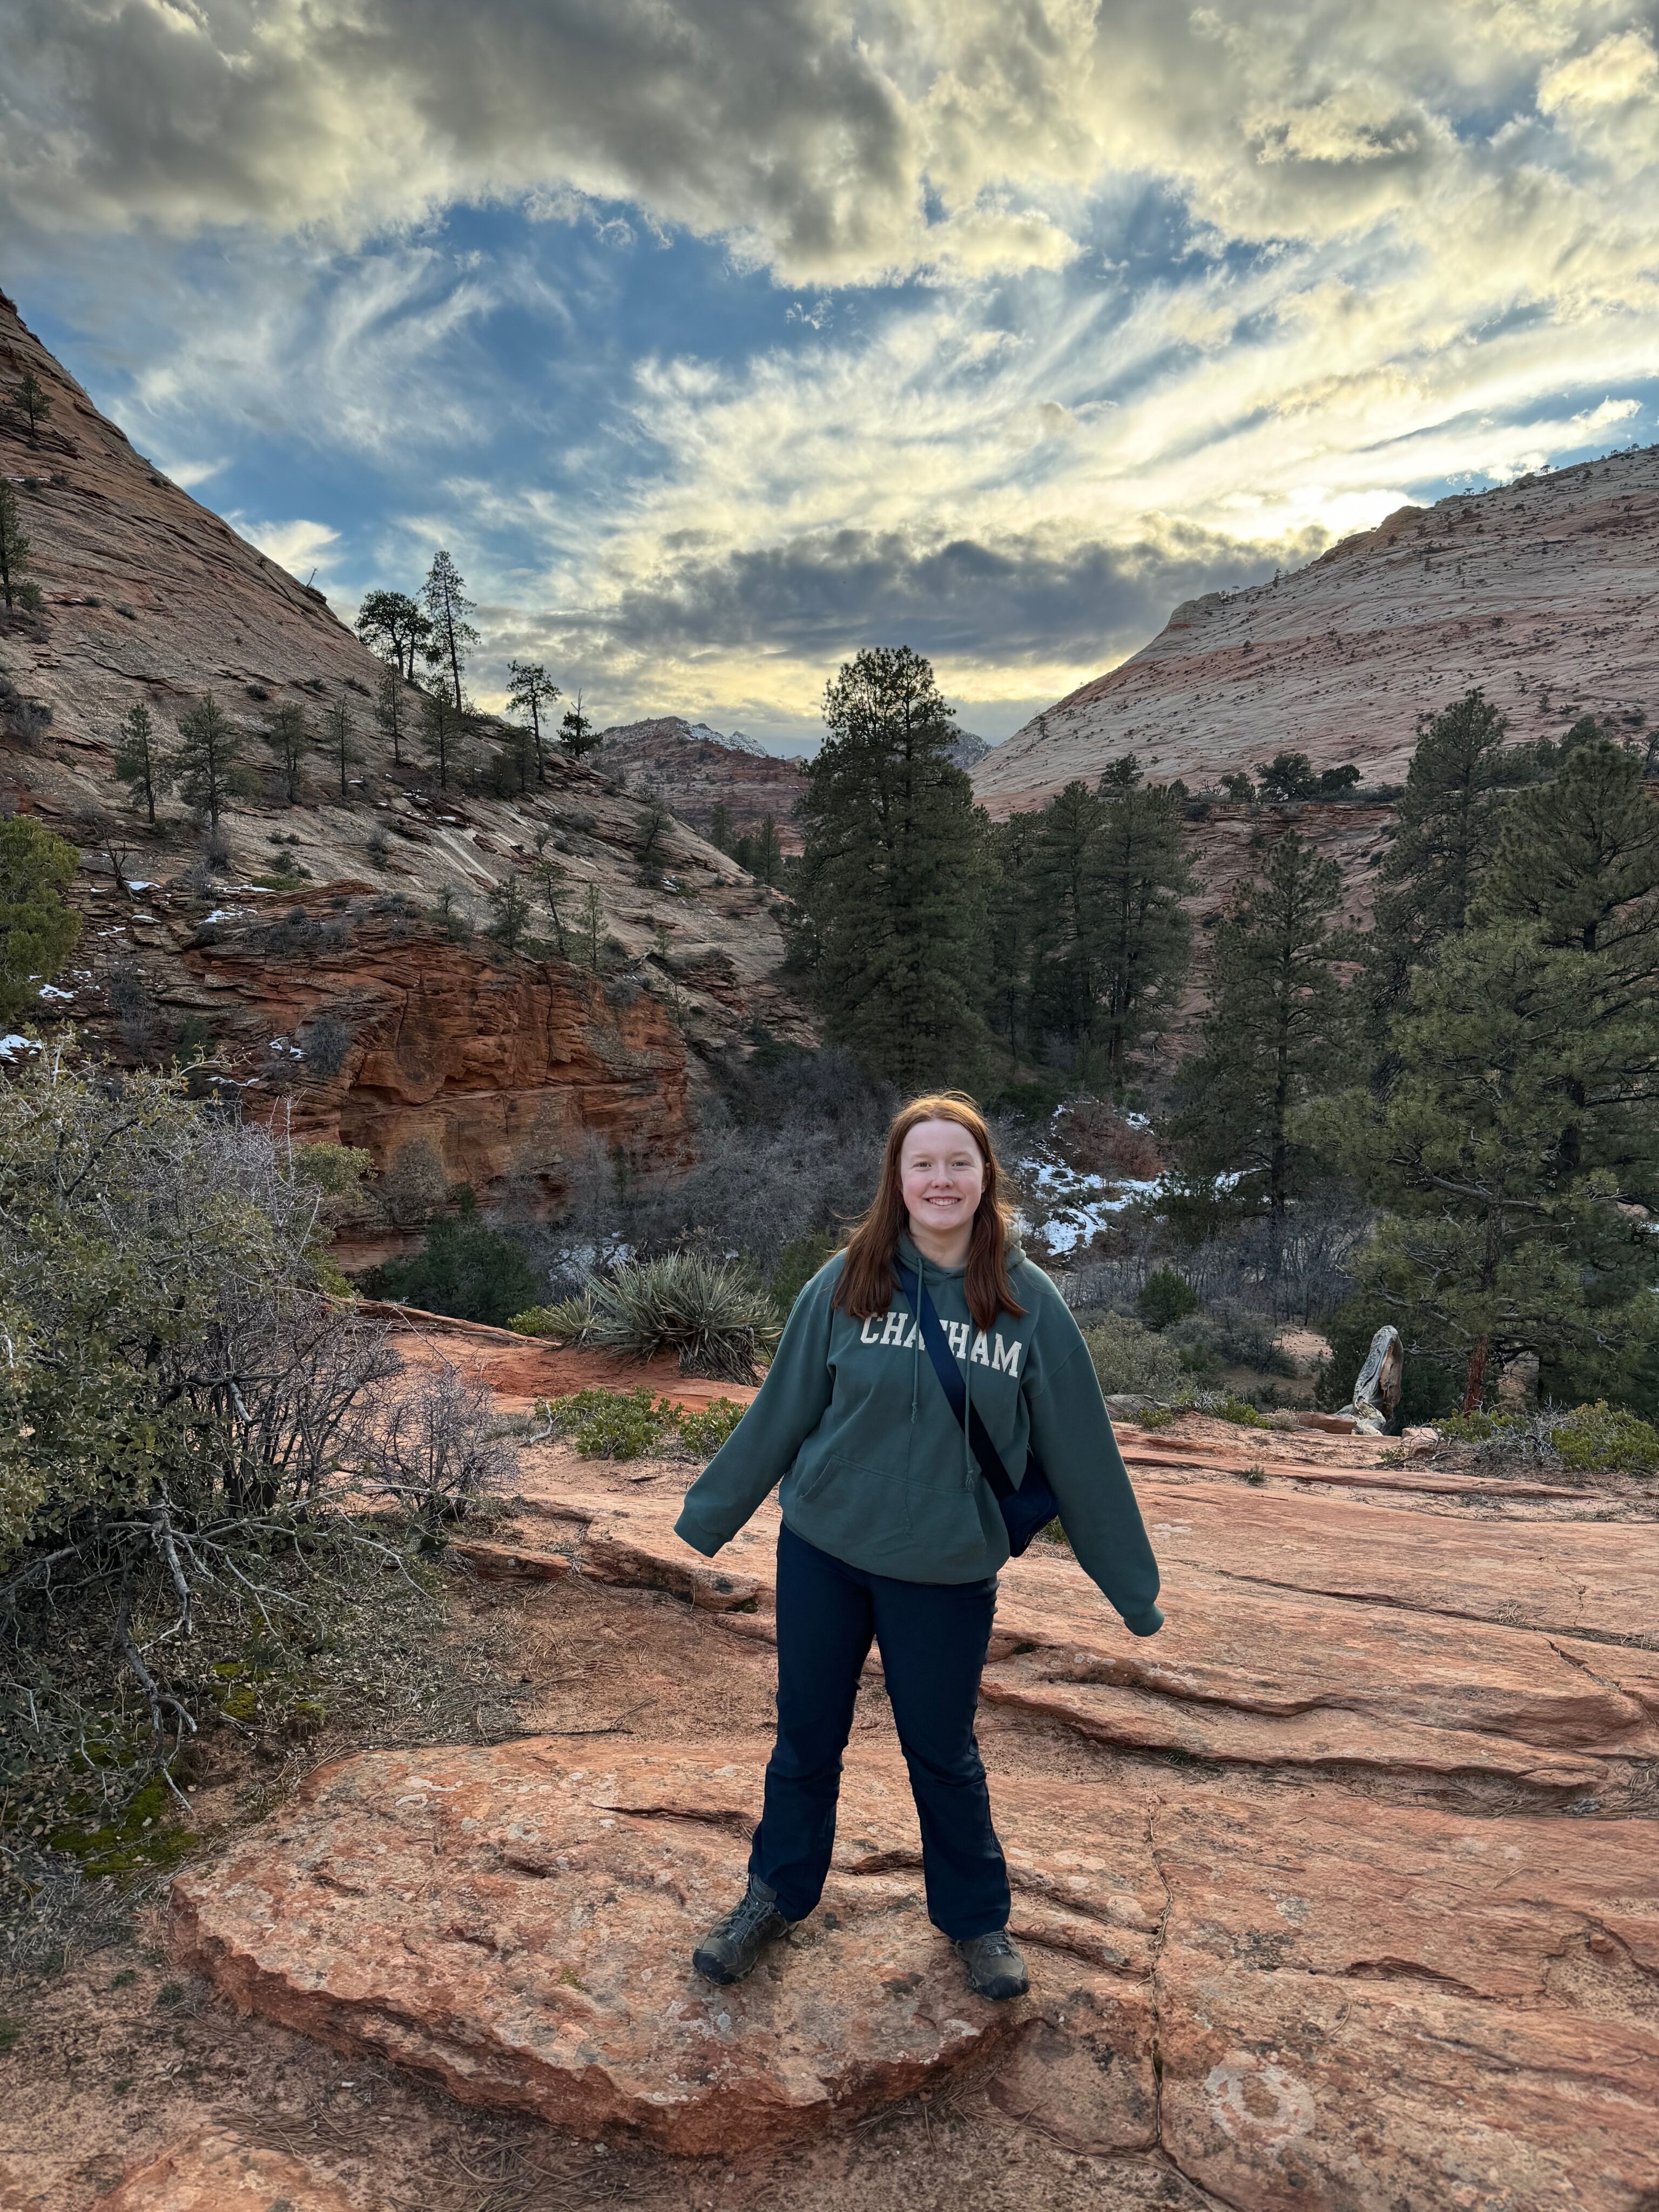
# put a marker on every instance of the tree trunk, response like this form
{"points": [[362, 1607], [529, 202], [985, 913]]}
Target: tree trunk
{"points": [[1475, 1377]]}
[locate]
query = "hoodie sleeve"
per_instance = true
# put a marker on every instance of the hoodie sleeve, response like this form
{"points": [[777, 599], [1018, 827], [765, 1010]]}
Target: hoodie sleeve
{"points": [[1071, 1435], [760, 1451]]}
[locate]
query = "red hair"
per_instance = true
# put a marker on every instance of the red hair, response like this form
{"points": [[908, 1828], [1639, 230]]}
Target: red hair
{"points": [[866, 1287]]}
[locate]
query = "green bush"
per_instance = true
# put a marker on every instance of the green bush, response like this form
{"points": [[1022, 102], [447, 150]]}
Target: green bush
{"points": [[1598, 1438], [1231, 1334], [704, 1430], [1165, 1296], [610, 1423], [1241, 1410], [38, 930], [713, 1315], [1129, 1358], [464, 1268], [625, 1424], [797, 1265]]}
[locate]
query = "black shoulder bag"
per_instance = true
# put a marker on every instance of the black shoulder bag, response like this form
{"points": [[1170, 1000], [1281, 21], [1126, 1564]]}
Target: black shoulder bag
{"points": [[1026, 1506]]}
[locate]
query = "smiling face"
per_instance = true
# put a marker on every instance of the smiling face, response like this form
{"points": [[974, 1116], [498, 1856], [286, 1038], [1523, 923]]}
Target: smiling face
{"points": [[942, 1175]]}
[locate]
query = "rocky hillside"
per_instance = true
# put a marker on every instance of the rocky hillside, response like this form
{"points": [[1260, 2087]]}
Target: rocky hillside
{"points": [[1541, 592], [310, 957], [696, 770]]}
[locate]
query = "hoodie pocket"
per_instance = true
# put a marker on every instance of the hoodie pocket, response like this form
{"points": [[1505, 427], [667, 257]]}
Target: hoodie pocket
{"points": [[843, 1506]]}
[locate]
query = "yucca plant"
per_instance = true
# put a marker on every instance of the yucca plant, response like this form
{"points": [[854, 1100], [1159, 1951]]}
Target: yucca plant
{"points": [[713, 1315]]}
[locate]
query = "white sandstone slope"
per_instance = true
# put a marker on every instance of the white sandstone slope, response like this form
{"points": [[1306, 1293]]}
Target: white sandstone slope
{"points": [[1545, 593]]}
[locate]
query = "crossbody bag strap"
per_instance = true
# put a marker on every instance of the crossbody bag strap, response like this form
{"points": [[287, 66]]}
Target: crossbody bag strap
{"points": [[951, 1382]]}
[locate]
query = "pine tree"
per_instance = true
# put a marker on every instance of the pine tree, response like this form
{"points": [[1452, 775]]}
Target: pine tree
{"points": [[576, 730], [451, 636], [590, 927], [760, 853], [720, 826], [1142, 929], [551, 877], [338, 735], [892, 873], [440, 734], [1579, 859], [38, 930], [207, 765], [34, 401], [1497, 1239], [518, 762], [1010, 916], [1064, 973], [509, 912], [16, 589], [1444, 832], [1518, 1151], [288, 735], [1286, 776], [529, 690], [138, 760], [1271, 1033], [391, 624], [389, 713]]}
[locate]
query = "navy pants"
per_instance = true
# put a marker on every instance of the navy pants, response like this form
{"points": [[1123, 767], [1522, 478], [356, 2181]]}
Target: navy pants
{"points": [[932, 1638]]}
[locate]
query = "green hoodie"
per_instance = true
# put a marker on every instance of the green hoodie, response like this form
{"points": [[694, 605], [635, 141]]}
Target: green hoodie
{"points": [[876, 1469]]}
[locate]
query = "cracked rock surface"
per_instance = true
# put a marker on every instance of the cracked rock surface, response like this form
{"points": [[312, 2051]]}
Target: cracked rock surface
{"points": [[1339, 1892]]}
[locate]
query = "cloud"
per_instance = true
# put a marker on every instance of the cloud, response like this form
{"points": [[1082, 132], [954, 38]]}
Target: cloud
{"points": [[299, 547], [1006, 603], [1068, 269], [831, 141]]}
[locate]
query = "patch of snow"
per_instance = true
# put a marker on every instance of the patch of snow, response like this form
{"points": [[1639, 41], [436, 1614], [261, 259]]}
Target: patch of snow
{"points": [[735, 743], [52, 991], [136, 886], [230, 914], [1078, 1206], [11, 1046]]}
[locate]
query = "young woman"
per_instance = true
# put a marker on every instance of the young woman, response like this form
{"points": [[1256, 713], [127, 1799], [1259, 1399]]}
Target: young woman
{"points": [[891, 1529]]}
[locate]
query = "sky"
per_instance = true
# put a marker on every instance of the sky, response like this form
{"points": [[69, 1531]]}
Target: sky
{"points": [[718, 338]]}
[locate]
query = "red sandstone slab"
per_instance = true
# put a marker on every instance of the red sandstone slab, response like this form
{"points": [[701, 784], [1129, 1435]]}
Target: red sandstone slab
{"points": [[1242, 1672], [213, 2171], [1330, 1884], [1565, 1575], [1283, 2090], [520, 1926]]}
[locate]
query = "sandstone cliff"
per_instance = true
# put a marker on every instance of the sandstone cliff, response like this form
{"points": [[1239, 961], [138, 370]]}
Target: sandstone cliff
{"points": [[696, 771], [1541, 591], [328, 907]]}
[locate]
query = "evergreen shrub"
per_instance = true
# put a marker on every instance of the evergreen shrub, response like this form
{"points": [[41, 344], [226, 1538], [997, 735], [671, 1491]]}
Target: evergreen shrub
{"points": [[464, 1268], [1241, 1410], [1128, 1357], [1165, 1296], [1595, 1439], [610, 1423]]}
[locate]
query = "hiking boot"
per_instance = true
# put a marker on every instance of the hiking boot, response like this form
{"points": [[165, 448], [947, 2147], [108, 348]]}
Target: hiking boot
{"points": [[995, 1969], [731, 1946]]}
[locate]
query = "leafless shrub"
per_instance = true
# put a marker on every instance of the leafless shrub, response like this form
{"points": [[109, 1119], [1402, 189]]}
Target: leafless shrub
{"points": [[327, 1044], [432, 1447], [414, 1185]]}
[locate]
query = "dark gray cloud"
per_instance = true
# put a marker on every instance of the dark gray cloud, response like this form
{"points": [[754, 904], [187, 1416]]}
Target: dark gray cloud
{"points": [[1020, 600]]}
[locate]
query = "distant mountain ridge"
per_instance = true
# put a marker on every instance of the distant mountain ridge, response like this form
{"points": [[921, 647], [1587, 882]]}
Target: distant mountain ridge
{"points": [[1541, 592]]}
